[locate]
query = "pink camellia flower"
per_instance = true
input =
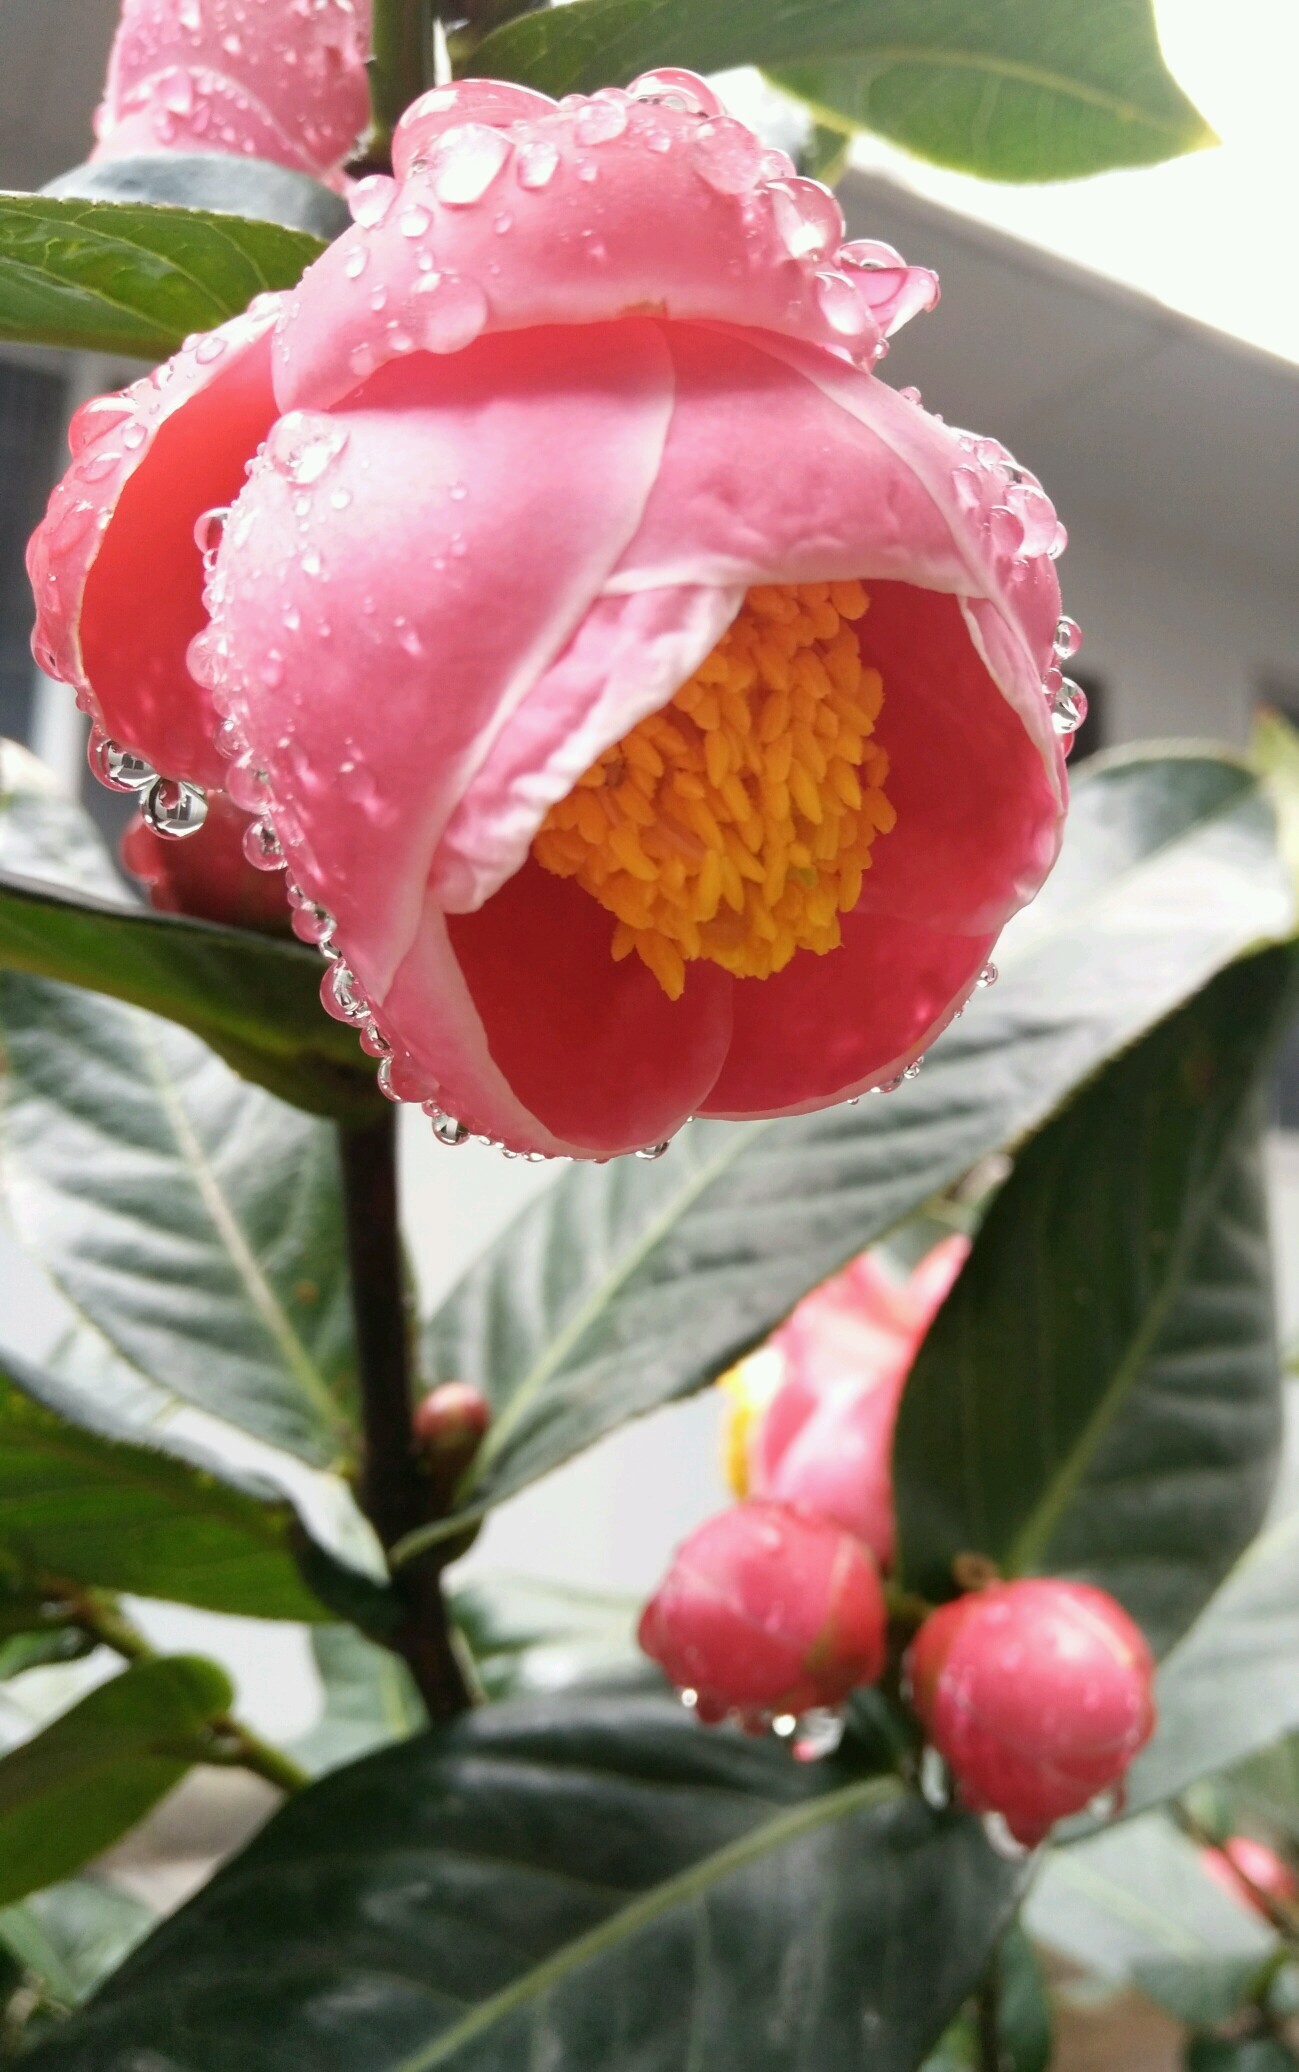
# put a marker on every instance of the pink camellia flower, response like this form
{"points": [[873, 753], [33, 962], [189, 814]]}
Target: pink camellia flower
{"points": [[277, 79], [815, 1407], [210, 876], [767, 1609], [1245, 1868], [1037, 1694], [658, 713]]}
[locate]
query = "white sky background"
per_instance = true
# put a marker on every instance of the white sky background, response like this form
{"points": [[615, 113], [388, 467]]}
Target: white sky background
{"points": [[1212, 235]]}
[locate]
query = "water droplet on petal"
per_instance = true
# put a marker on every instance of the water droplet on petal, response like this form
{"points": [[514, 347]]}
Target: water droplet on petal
{"points": [[209, 350], [118, 769], [538, 161], [726, 155], [450, 310], [174, 809], [987, 977], [448, 1131], [465, 163], [340, 995], [1068, 638], [1068, 706], [603, 118], [371, 199], [262, 847], [208, 530], [651, 1151], [935, 1783], [808, 218], [1059, 541], [313, 923], [676, 88], [302, 446], [414, 221], [841, 307], [1006, 529]]}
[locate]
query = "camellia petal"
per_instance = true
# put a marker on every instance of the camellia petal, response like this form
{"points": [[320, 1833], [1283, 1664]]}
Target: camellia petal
{"points": [[649, 703]]}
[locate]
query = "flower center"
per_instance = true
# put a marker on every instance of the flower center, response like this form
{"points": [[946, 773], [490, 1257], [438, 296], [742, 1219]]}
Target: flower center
{"points": [[735, 824]]}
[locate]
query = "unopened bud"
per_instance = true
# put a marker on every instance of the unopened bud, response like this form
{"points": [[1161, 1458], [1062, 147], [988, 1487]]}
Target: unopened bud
{"points": [[449, 1426], [1037, 1694], [767, 1609]]}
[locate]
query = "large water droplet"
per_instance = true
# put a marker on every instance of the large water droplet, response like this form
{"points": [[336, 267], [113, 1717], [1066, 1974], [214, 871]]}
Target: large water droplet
{"points": [[652, 1151], [209, 528], [341, 997], [414, 221], [537, 163], [676, 88], [726, 155], [117, 768], [808, 218], [603, 118], [465, 163], [371, 199], [450, 311], [261, 846], [841, 307], [1068, 638], [1068, 706], [174, 809], [302, 446], [448, 1131]]}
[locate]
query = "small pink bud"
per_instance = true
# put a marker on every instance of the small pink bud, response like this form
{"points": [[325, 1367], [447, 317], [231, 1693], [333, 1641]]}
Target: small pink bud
{"points": [[208, 876], [767, 1608], [449, 1426], [1245, 1868], [1037, 1694]]}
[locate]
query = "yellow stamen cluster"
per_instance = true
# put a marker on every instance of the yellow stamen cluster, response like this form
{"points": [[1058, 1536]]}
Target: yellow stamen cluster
{"points": [[736, 823]]}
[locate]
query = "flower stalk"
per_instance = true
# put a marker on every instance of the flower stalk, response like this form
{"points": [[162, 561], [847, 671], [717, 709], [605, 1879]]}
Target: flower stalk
{"points": [[400, 69], [396, 1494]]}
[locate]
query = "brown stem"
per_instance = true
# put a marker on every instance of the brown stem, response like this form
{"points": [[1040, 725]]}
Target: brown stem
{"points": [[395, 1494]]}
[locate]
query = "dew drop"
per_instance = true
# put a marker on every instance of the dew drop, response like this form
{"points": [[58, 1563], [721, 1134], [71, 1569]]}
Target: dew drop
{"points": [[465, 163], [262, 848], [451, 311], [313, 923], [935, 1783], [413, 221], [117, 768], [603, 118], [537, 163], [209, 350], [651, 1151], [841, 307], [987, 977], [675, 88], [808, 218], [726, 155], [209, 529], [371, 199], [174, 809], [1068, 706], [449, 1132], [1006, 529], [373, 1041], [302, 446], [340, 995], [1001, 1841], [1068, 638]]}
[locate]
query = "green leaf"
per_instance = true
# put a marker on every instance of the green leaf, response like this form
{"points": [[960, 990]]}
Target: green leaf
{"points": [[1014, 90], [42, 1648], [71, 1936], [370, 1700], [628, 1285], [89, 1776], [131, 277], [254, 999], [1238, 2054], [1265, 1787], [213, 181], [599, 1885], [1023, 2017], [530, 1636], [195, 1220], [84, 1500], [1232, 1685], [1101, 1394], [1133, 1905]]}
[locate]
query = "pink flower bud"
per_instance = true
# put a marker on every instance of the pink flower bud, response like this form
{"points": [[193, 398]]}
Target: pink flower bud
{"points": [[834, 1374], [767, 1609], [282, 80], [1245, 1868], [1037, 1694], [208, 875], [449, 1426]]}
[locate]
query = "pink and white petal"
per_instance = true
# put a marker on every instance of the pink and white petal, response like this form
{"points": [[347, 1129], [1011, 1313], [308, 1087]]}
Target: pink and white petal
{"points": [[828, 1028], [605, 209], [399, 573], [116, 573], [527, 1032]]}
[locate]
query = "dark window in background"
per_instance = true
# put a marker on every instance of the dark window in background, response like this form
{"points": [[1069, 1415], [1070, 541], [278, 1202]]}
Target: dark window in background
{"points": [[31, 419], [1093, 734]]}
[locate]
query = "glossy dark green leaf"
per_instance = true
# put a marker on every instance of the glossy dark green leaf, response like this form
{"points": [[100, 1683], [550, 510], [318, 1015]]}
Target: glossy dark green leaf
{"points": [[92, 1773], [85, 1499], [132, 277], [1015, 90], [628, 1285], [1100, 1394], [596, 1884], [1232, 1686], [196, 1221], [216, 182], [254, 999]]}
